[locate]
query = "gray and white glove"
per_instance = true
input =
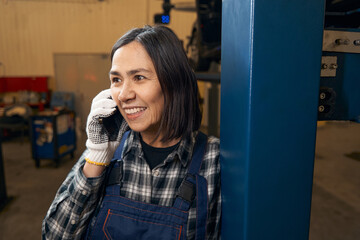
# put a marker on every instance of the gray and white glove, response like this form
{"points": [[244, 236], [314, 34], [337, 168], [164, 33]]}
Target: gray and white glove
{"points": [[105, 127]]}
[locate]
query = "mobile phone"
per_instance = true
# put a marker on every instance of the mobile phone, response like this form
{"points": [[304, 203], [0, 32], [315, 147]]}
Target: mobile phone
{"points": [[112, 124]]}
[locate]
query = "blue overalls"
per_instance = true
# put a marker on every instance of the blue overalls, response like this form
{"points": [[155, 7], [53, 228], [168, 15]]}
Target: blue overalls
{"points": [[123, 218]]}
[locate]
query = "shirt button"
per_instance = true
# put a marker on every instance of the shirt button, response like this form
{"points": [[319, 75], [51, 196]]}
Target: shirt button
{"points": [[156, 173], [73, 222], [84, 192]]}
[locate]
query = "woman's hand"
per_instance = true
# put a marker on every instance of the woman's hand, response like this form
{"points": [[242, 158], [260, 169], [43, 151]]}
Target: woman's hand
{"points": [[104, 129]]}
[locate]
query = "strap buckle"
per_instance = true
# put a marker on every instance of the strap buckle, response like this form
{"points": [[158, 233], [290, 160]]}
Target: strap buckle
{"points": [[187, 189]]}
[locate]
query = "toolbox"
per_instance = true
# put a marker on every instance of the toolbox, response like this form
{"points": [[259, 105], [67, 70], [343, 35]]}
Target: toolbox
{"points": [[52, 135]]}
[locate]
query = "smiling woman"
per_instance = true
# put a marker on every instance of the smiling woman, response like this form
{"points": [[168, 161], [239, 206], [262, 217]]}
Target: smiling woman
{"points": [[177, 80], [147, 173], [136, 90]]}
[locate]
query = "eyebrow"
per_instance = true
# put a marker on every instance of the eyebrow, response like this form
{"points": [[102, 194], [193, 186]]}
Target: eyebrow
{"points": [[131, 72]]}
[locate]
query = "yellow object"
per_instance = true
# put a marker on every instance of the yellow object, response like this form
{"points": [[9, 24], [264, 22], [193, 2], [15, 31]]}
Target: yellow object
{"points": [[96, 163]]}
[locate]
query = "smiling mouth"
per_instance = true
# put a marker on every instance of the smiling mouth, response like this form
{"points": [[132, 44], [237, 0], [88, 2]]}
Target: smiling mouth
{"points": [[131, 111]]}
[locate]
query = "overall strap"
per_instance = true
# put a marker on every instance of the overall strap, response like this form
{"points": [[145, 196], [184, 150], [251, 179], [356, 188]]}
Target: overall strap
{"points": [[187, 190], [193, 186], [198, 153], [118, 151], [201, 187]]}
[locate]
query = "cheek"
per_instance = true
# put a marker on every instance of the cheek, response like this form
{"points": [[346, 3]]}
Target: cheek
{"points": [[114, 94], [159, 103]]}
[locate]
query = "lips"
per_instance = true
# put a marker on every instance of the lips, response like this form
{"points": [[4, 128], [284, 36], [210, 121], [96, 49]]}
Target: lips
{"points": [[132, 113], [135, 110]]}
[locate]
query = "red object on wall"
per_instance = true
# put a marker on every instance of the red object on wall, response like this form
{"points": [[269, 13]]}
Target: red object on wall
{"points": [[14, 84]]}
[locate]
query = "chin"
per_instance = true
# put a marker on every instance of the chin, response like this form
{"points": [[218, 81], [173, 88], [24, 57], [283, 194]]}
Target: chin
{"points": [[143, 129], [136, 128]]}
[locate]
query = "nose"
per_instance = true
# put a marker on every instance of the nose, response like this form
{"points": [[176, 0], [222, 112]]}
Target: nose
{"points": [[126, 92]]}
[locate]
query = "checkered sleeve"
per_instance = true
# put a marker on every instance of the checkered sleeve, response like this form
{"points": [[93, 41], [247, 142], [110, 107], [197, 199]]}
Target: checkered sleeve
{"points": [[74, 203], [212, 174]]}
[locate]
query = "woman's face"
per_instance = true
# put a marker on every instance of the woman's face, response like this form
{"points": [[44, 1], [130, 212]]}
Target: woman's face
{"points": [[136, 89]]}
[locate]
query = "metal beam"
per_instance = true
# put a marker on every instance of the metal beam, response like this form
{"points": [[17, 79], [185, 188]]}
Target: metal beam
{"points": [[271, 57]]}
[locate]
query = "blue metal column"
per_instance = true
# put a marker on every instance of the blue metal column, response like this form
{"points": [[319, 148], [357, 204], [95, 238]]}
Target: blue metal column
{"points": [[271, 57]]}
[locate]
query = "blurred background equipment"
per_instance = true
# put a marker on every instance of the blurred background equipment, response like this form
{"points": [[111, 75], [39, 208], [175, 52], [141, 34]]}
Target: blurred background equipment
{"points": [[164, 18], [342, 14], [16, 117], [3, 193], [339, 96], [204, 45], [53, 132]]}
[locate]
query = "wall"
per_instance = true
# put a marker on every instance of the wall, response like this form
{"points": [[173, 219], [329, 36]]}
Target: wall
{"points": [[32, 31]]}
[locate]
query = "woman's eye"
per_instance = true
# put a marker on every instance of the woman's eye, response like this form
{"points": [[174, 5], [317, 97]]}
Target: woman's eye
{"points": [[115, 80], [139, 77]]}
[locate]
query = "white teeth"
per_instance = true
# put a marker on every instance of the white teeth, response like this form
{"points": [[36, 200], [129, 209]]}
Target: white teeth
{"points": [[133, 110]]}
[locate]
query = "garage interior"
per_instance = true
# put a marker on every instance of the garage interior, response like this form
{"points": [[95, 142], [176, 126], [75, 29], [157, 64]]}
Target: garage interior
{"points": [[54, 57]]}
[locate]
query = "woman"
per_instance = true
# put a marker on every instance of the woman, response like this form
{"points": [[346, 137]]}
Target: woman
{"points": [[152, 181]]}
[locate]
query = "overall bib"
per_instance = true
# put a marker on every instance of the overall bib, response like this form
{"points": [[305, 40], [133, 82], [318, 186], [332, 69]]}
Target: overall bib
{"points": [[123, 218]]}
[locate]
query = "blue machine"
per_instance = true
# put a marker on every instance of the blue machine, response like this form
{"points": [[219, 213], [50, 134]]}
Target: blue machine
{"points": [[339, 97], [53, 136], [270, 68]]}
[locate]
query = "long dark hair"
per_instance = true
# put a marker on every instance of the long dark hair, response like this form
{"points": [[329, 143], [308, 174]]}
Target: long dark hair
{"points": [[182, 113]]}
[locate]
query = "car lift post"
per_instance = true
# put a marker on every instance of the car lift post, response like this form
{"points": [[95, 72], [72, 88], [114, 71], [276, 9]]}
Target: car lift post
{"points": [[270, 73]]}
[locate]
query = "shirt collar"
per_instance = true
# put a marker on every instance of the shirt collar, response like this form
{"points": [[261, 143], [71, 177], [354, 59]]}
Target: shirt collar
{"points": [[184, 151], [132, 144]]}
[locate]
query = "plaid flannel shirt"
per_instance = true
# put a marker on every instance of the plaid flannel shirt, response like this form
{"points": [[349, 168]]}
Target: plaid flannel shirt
{"points": [[78, 197]]}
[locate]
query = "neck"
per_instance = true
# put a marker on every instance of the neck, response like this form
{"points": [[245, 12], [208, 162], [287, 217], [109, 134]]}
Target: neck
{"points": [[149, 140]]}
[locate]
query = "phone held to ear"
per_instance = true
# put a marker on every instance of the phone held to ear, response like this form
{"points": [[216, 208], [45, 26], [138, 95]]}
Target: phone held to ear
{"points": [[111, 123]]}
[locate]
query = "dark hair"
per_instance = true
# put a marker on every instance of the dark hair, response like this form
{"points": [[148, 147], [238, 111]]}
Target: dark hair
{"points": [[182, 113]]}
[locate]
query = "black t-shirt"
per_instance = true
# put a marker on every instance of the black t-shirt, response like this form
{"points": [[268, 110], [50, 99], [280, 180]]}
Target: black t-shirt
{"points": [[154, 156]]}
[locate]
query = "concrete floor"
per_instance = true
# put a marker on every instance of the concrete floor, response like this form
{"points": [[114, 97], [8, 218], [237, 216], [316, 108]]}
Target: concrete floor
{"points": [[336, 192]]}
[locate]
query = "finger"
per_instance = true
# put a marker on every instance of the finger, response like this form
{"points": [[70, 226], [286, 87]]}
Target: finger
{"points": [[103, 95], [100, 113], [103, 103]]}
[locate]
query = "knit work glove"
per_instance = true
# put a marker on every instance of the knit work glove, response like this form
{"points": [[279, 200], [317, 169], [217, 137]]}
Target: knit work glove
{"points": [[105, 127]]}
